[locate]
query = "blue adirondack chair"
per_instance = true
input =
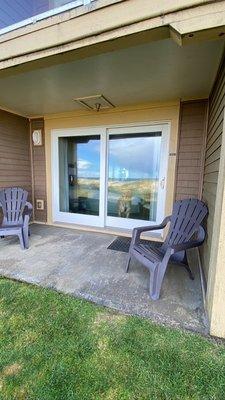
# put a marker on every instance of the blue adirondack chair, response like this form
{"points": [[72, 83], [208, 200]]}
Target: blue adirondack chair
{"points": [[16, 214], [185, 232]]}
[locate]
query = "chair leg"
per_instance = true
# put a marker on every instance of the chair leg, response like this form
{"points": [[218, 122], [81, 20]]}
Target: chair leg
{"points": [[156, 279], [20, 235], [187, 267], [26, 237], [189, 271], [128, 262]]}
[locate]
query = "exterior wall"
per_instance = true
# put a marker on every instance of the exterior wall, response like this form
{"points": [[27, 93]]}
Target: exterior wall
{"points": [[212, 159], [15, 165], [39, 172], [164, 112], [190, 163], [216, 276]]}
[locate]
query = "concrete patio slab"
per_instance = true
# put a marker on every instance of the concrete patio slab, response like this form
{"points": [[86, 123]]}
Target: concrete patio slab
{"points": [[78, 263]]}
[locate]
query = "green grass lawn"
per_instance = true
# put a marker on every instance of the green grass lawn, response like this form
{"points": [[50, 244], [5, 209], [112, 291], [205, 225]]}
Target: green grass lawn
{"points": [[53, 346]]}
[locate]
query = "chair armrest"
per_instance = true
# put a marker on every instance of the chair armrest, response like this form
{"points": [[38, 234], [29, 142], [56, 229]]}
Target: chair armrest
{"points": [[136, 234], [27, 213], [28, 208], [191, 243]]}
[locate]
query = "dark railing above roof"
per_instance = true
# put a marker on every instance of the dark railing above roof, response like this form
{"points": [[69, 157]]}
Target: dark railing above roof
{"points": [[17, 13]]}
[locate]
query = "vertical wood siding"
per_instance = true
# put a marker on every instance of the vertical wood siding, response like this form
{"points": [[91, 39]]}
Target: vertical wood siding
{"points": [[39, 172], [212, 158], [191, 149], [15, 165]]}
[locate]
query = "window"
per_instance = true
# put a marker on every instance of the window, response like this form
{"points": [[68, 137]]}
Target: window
{"points": [[112, 177]]}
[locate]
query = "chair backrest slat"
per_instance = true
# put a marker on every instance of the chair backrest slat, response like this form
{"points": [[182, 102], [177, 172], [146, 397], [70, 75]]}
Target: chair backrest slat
{"points": [[186, 218], [13, 201]]}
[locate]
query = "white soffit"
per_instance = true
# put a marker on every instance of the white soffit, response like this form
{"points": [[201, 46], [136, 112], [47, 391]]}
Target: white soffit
{"points": [[157, 71]]}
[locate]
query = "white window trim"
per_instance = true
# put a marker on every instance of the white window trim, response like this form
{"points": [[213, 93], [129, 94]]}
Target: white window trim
{"points": [[50, 13]]}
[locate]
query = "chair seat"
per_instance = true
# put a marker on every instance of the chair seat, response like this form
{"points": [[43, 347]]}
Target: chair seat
{"points": [[10, 227], [150, 251]]}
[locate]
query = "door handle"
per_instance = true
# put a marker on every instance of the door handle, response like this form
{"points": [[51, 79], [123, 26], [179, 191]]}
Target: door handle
{"points": [[162, 183]]}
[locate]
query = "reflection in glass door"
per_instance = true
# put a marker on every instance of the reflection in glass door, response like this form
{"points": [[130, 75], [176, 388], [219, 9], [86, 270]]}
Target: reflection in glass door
{"points": [[79, 174]]}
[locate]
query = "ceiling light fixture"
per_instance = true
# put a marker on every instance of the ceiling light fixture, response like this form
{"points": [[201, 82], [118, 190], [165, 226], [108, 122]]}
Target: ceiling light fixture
{"points": [[96, 103]]}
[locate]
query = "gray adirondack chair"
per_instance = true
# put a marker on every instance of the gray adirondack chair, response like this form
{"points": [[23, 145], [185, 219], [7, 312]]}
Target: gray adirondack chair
{"points": [[185, 232], [16, 214]]}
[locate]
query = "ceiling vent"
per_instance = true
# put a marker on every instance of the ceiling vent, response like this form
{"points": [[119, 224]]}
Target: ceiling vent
{"points": [[95, 103]]}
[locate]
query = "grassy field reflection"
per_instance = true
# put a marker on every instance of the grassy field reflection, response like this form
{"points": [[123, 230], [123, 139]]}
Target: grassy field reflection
{"points": [[134, 198]]}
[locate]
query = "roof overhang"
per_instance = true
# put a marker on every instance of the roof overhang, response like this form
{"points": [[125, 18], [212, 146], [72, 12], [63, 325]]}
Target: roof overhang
{"points": [[152, 72], [108, 24]]}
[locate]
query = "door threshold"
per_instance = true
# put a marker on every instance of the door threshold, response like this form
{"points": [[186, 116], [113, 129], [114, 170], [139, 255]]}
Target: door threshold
{"points": [[109, 230]]}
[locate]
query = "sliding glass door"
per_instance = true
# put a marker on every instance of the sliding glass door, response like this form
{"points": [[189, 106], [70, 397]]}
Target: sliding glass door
{"points": [[112, 177]]}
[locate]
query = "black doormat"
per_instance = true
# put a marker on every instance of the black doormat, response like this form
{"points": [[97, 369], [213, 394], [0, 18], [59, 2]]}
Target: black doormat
{"points": [[122, 243]]}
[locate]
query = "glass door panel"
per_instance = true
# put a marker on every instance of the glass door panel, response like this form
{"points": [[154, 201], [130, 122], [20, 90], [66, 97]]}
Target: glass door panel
{"points": [[134, 176]]}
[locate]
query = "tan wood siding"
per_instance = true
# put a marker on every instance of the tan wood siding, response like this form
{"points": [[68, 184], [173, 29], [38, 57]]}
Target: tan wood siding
{"points": [[39, 172], [190, 162], [15, 165], [212, 158]]}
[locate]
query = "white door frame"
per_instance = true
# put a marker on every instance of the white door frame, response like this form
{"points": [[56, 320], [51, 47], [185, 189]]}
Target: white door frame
{"points": [[103, 131]]}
